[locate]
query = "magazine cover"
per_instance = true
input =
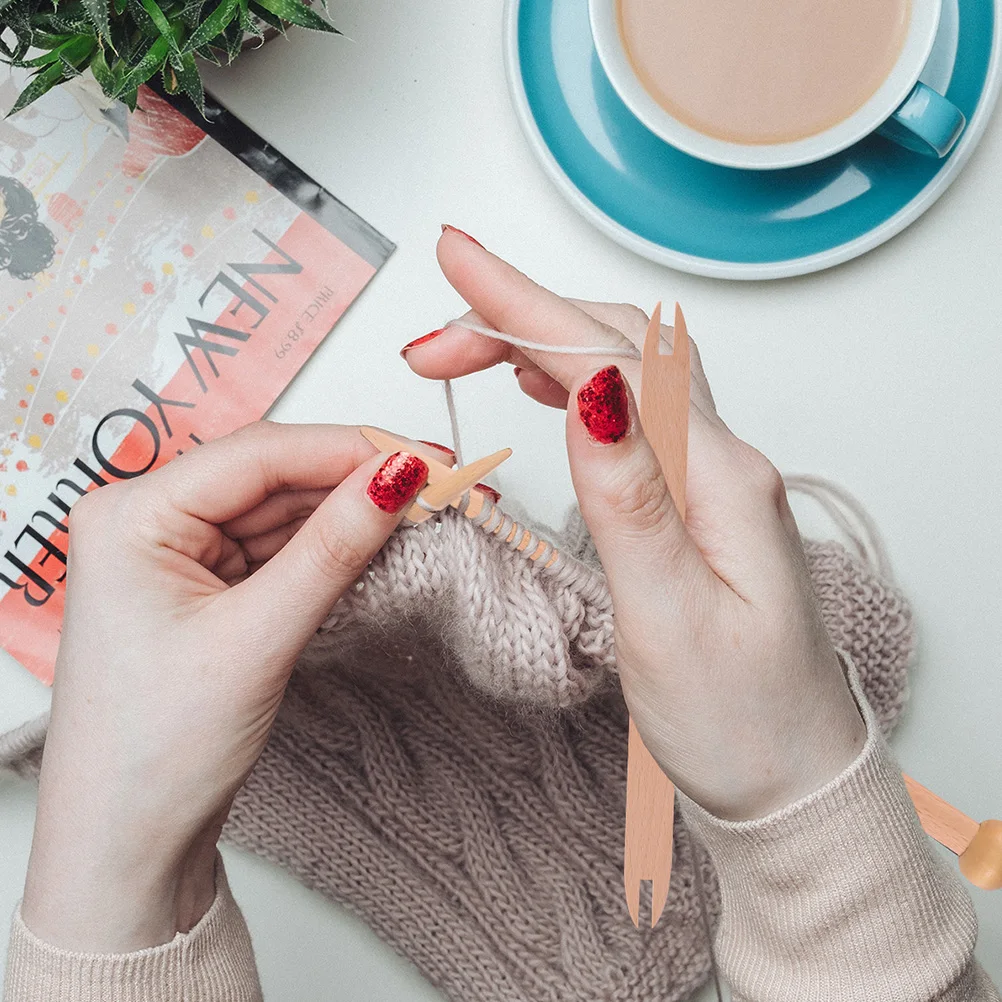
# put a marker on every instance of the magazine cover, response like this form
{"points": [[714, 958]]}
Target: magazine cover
{"points": [[162, 279]]}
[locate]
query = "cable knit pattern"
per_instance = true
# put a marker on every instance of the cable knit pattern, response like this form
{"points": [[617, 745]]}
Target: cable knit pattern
{"points": [[450, 763]]}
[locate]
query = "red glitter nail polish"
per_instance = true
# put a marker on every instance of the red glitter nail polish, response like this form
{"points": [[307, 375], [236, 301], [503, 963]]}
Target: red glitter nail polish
{"points": [[422, 340], [397, 481], [455, 229], [604, 406]]}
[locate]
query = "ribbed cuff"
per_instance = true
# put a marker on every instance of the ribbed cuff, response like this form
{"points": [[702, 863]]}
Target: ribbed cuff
{"points": [[840, 895], [214, 962]]}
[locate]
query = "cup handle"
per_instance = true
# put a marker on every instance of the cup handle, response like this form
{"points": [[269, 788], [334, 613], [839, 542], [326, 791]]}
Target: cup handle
{"points": [[926, 122]]}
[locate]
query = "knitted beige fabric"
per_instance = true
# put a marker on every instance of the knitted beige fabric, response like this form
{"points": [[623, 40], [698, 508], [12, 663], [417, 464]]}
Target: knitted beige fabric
{"points": [[450, 764]]}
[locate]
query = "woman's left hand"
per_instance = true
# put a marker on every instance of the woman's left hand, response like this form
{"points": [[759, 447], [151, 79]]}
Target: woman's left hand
{"points": [[191, 592]]}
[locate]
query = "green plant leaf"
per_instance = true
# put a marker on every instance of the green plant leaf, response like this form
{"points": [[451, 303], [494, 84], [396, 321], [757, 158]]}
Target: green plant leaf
{"points": [[212, 26], [144, 69], [41, 84], [208, 53], [266, 15], [233, 39], [52, 56], [296, 12], [249, 24], [188, 77], [102, 73], [97, 11], [191, 13], [160, 20]]}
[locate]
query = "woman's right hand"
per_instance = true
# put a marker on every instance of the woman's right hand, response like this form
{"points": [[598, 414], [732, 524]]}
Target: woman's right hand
{"points": [[726, 666]]}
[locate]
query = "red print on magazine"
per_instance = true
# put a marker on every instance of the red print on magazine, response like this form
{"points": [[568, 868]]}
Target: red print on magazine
{"points": [[162, 279]]}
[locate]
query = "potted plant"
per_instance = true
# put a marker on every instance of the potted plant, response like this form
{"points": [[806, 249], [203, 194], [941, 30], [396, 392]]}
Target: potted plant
{"points": [[124, 43]]}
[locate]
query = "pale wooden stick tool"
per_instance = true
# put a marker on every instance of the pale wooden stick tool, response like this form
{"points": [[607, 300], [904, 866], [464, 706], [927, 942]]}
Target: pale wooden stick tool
{"points": [[457, 489], [650, 795], [978, 846]]}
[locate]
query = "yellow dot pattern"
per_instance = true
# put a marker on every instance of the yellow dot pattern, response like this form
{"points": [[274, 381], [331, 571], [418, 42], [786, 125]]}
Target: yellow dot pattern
{"points": [[208, 232], [168, 268], [35, 441], [129, 309], [92, 349], [62, 396]]}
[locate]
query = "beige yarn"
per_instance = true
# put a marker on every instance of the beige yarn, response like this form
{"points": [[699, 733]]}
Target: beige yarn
{"points": [[450, 764]]}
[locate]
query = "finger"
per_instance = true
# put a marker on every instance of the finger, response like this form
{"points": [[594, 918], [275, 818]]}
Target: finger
{"points": [[651, 561], [629, 320], [294, 591], [260, 549], [455, 351], [232, 565], [509, 301], [542, 387], [276, 511], [228, 477]]}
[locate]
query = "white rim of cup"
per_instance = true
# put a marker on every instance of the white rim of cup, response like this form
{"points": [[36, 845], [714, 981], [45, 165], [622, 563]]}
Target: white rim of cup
{"points": [[754, 271], [922, 30]]}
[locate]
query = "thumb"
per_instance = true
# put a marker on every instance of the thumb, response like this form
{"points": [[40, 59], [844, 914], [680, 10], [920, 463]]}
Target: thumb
{"points": [[292, 594], [624, 499]]}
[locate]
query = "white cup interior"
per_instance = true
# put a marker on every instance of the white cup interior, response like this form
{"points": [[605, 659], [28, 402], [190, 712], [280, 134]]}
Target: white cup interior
{"points": [[922, 27]]}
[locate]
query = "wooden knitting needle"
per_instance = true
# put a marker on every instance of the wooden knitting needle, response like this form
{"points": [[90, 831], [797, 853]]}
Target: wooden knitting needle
{"points": [[650, 795], [449, 490], [446, 486], [474, 504], [979, 846]]}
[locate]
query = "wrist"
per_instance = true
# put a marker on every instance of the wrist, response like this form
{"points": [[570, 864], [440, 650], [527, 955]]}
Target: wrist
{"points": [[797, 753], [106, 895]]}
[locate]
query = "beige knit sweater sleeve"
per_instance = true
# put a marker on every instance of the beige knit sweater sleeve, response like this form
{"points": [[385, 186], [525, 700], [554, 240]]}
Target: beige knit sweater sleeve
{"points": [[212, 963], [841, 896]]}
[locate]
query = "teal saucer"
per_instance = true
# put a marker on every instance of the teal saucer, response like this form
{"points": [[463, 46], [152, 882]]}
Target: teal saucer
{"points": [[717, 221]]}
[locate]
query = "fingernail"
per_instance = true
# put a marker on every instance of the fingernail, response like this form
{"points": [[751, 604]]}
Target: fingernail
{"points": [[604, 406], [421, 340], [455, 229], [397, 481], [518, 369], [443, 448], [494, 495]]}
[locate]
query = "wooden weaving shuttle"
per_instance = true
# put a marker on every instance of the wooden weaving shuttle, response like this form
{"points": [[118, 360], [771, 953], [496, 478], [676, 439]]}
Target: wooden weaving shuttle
{"points": [[650, 795]]}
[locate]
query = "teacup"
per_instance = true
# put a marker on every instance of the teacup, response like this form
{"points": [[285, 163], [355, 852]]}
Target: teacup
{"points": [[899, 106]]}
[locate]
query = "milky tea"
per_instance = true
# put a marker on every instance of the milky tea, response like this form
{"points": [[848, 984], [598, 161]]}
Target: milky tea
{"points": [[762, 71]]}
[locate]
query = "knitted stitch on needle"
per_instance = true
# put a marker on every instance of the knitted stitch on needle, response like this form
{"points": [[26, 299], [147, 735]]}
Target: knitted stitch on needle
{"points": [[450, 763]]}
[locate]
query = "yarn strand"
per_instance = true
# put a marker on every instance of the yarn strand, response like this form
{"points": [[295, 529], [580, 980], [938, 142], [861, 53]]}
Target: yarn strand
{"points": [[620, 351], [492, 519]]}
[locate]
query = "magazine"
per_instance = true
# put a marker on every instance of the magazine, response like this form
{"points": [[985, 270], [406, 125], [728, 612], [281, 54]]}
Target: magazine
{"points": [[163, 277]]}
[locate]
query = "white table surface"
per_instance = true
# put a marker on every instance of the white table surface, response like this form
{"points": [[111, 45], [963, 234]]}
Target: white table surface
{"points": [[882, 374]]}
